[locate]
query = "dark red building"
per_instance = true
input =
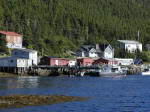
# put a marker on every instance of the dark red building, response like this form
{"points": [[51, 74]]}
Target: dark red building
{"points": [[101, 61], [53, 61], [84, 61]]}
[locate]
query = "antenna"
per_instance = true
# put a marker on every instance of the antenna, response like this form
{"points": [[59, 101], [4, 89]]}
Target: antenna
{"points": [[42, 52], [138, 35], [87, 33]]}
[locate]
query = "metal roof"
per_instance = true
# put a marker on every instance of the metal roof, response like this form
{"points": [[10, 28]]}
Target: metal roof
{"points": [[129, 41], [25, 50], [13, 58], [10, 33]]}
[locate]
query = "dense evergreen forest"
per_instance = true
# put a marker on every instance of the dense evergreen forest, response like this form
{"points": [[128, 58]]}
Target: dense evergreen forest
{"points": [[61, 25]]}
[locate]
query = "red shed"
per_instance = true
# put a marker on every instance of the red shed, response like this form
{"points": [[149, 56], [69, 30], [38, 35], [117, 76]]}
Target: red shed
{"points": [[101, 61], [53, 61], [84, 61]]}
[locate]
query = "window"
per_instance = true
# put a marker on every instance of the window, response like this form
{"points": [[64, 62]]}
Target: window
{"points": [[19, 39], [14, 39], [11, 61], [8, 37], [16, 53]]}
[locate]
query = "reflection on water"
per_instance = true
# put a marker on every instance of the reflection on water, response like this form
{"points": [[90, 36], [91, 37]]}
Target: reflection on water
{"points": [[121, 94], [23, 82]]}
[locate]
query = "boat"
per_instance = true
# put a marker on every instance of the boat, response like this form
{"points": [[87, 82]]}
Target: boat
{"points": [[146, 71], [112, 71]]}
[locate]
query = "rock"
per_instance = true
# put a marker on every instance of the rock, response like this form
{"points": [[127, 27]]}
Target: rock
{"points": [[15, 101]]}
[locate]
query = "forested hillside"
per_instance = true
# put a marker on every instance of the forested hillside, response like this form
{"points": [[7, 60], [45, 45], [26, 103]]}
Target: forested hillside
{"points": [[61, 25]]}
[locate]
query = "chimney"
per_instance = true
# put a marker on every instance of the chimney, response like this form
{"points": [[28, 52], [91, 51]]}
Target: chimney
{"points": [[97, 46]]}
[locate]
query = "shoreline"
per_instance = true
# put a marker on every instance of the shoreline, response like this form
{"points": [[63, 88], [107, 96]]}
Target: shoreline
{"points": [[18, 101]]}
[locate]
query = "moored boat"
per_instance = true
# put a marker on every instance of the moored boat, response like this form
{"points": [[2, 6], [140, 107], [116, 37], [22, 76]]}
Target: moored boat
{"points": [[112, 71], [146, 72]]}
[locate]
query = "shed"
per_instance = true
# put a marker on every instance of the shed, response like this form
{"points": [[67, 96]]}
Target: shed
{"points": [[101, 61], [54, 61], [25, 53], [15, 62], [84, 61]]}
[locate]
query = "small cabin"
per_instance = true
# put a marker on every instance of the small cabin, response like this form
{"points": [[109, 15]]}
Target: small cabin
{"points": [[25, 53], [84, 61], [15, 62], [101, 61], [54, 61], [125, 61]]}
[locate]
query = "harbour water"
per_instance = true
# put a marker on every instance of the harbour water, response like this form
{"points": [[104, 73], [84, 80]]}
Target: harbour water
{"points": [[126, 94]]}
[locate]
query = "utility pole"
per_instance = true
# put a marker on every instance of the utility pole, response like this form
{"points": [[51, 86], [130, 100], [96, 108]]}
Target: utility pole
{"points": [[87, 33], [42, 52], [138, 35]]}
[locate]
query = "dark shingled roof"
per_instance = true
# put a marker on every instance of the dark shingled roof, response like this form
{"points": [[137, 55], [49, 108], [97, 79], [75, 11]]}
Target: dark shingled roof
{"points": [[87, 48]]}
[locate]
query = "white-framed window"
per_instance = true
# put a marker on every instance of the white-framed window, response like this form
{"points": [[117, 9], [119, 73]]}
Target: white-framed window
{"points": [[8, 37], [19, 39], [14, 39]]}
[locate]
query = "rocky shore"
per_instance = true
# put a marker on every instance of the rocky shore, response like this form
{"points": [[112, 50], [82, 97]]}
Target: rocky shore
{"points": [[16, 101]]}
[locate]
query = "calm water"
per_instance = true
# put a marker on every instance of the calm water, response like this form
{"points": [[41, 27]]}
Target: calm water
{"points": [[127, 94]]}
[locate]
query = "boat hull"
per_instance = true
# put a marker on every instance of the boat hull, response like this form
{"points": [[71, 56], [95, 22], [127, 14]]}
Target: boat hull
{"points": [[146, 73], [103, 74]]}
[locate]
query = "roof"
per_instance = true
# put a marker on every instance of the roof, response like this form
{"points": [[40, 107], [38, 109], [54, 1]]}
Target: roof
{"points": [[129, 41], [109, 59], [53, 57], [12, 58], [86, 47], [10, 33], [138, 61], [25, 50], [103, 47]]}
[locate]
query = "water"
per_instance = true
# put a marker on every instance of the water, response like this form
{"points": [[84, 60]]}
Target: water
{"points": [[127, 94]]}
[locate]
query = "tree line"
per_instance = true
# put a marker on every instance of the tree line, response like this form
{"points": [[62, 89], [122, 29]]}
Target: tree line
{"points": [[58, 26]]}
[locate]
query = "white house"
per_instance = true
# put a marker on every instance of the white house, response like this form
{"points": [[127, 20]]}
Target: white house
{"points": [[86, 51], [130, 45], [25, 53], [105, 51], [15, 62], [125, 61], [95, 51], [14, 40]]}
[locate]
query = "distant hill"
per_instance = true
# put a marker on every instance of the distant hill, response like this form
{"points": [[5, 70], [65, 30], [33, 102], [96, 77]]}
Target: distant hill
{"points": [[61, 25]]}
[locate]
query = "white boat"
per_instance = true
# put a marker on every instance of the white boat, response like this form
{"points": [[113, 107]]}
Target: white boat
{"points": [[112, 71], [146, 72]]}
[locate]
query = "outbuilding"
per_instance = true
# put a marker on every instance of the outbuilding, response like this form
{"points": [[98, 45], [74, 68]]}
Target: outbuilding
{"points": [[15, 62], [25, 53], [84, 61], [54, 61], [101, 61], [125, 61]]}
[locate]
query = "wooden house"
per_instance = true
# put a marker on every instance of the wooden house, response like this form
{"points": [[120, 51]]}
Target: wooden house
{"points": [[95, 51], [13, 39], [25, 53], [15, 62], [84, 61], [130, 45], [101, 61], [54, 61]]}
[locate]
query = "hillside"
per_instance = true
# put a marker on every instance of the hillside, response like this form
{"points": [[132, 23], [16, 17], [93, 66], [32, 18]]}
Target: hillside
{"points": [[61, 25]]}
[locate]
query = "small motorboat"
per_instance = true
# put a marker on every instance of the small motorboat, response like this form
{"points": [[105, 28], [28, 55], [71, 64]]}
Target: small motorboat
{"points": [[112, 71], [146, 71]]}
